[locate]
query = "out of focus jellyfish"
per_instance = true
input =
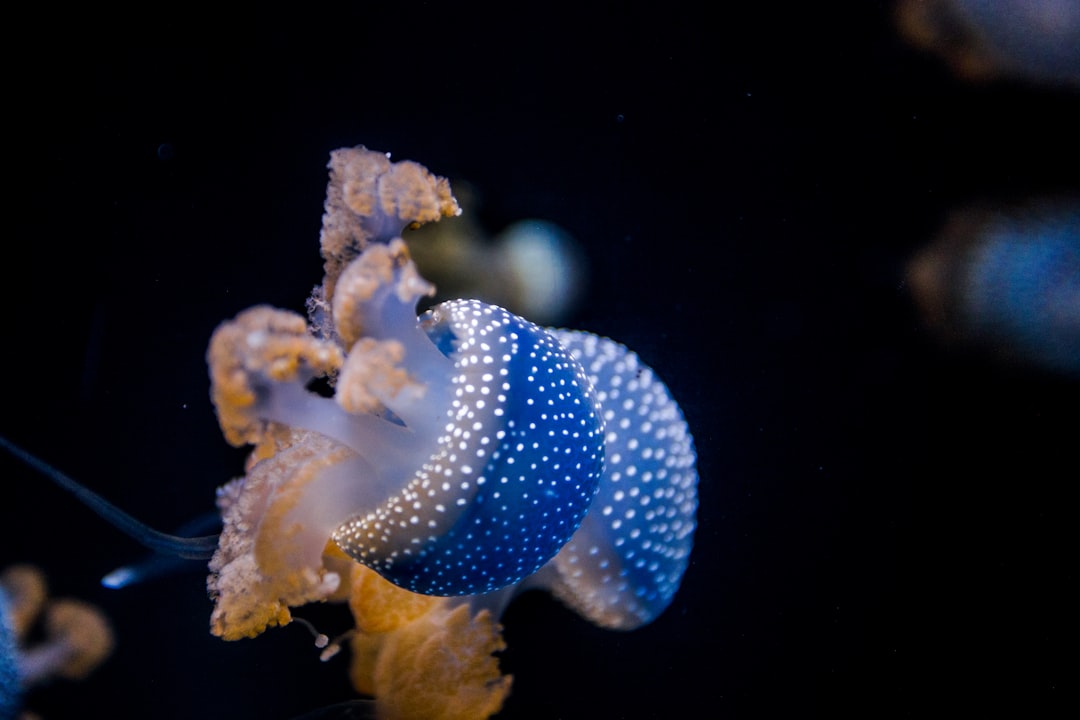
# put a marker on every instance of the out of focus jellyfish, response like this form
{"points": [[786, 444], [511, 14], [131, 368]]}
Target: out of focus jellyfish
{"points": [[532, 267], [1032, 40], [10, 684], [77, 637], [1007, 281]]}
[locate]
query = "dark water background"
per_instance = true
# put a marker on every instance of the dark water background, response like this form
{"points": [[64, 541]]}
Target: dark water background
{"points": [[885, 523]]}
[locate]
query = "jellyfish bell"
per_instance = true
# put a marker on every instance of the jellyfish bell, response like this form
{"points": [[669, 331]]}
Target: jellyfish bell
{"points": [[621, 569]]}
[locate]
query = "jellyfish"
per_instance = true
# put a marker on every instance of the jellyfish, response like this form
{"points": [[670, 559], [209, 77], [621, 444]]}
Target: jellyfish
{"points": [[1033, 40], [77, 637], [460, 452], [1007, 280], [456, 459], [425, 469]]}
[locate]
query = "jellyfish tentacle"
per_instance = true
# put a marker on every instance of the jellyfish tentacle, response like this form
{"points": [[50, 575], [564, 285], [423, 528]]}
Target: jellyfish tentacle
{"points": [[191, 548], [392, 362], [370, 200]]}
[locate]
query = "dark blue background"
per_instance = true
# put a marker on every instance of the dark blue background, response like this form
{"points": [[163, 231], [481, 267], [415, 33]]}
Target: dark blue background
{"points": [[885, 525]]}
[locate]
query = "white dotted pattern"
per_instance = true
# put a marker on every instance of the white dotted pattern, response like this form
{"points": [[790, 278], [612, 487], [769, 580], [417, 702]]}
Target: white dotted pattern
{"points": [[516, 466], [624, 565]]}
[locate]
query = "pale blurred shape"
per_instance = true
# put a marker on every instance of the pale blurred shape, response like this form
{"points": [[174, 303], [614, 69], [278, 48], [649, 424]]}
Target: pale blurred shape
{"points": [[1007, 281], [1033, 40], [545, 266], [533, 267], [10, 686], [77, 637]]}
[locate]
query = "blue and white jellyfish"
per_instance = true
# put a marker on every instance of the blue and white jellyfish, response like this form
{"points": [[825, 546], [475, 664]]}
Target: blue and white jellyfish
{"points": [[444, 463]]}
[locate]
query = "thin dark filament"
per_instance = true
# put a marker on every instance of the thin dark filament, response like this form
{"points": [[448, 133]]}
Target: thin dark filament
{"points": [[191, 548]]}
